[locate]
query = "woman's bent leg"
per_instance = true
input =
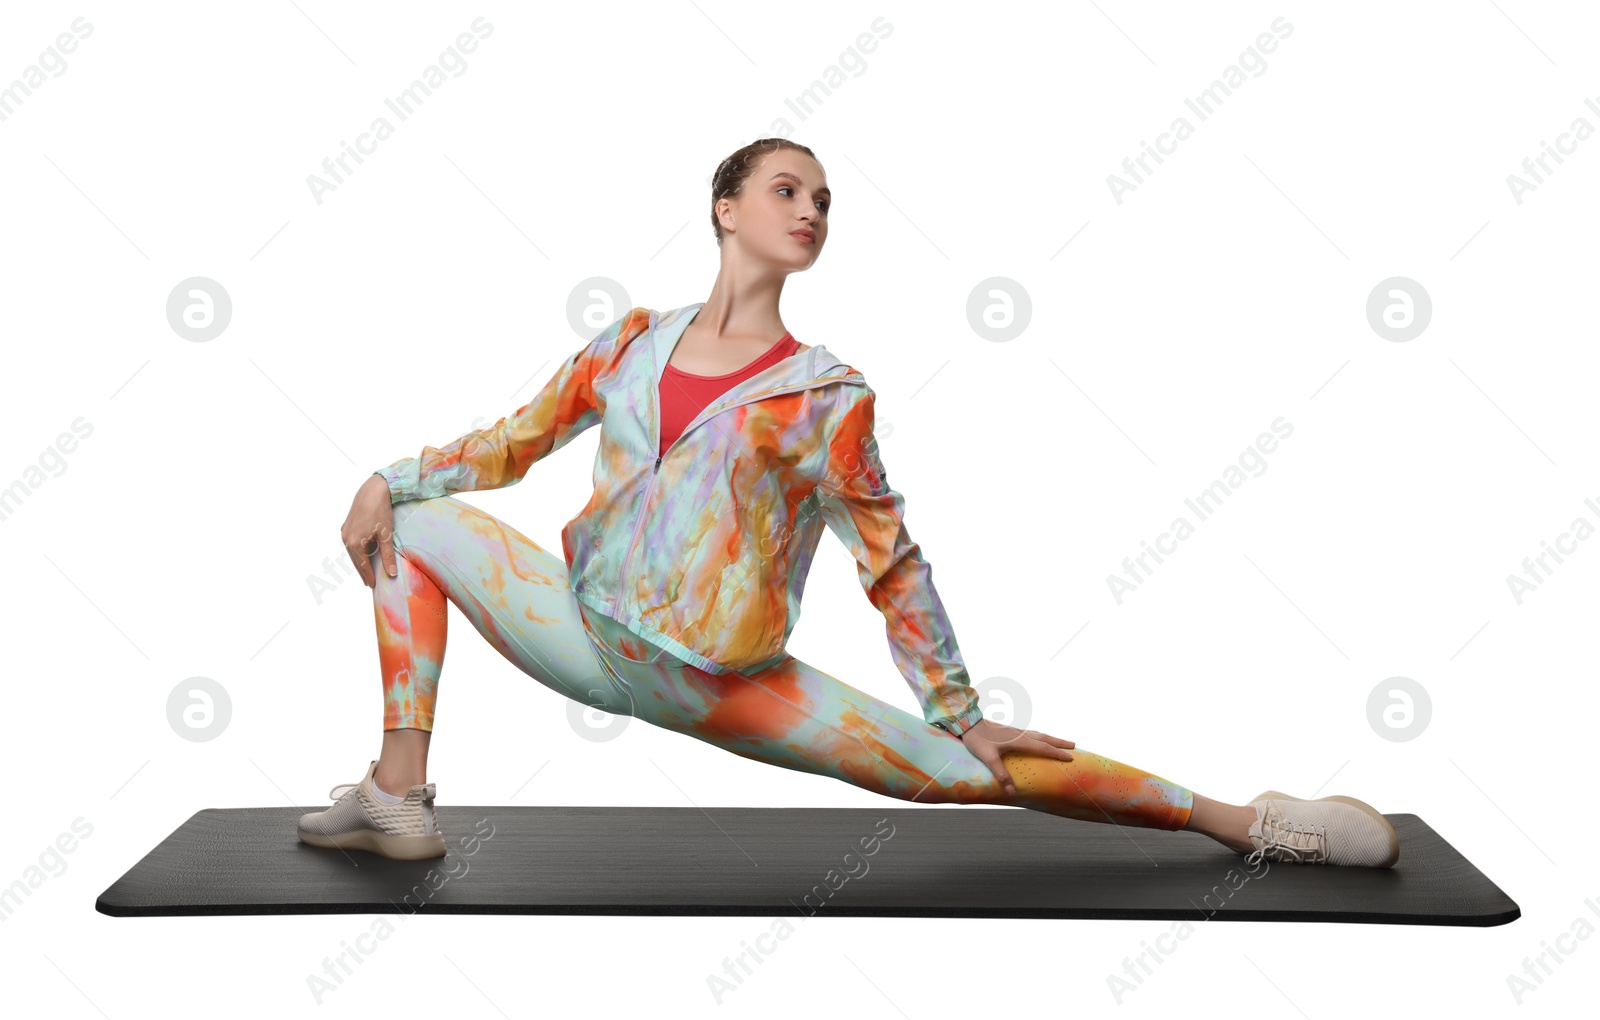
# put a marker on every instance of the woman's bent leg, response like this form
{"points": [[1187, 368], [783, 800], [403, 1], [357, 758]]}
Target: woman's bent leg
{"points": [[798, 717], [511, 590]]}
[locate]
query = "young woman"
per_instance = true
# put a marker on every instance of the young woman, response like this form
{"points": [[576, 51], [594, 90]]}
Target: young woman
{"points": [[726, 446]]}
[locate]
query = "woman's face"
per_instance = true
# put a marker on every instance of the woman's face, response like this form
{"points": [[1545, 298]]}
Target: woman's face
{"points": [[784, 198]]}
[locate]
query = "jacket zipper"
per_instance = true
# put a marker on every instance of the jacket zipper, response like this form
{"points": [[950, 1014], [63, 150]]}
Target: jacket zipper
{"points": [[655, 438]]}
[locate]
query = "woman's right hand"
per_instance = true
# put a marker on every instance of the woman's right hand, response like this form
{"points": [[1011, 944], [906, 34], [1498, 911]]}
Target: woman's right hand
{"points": [[370, 523]]}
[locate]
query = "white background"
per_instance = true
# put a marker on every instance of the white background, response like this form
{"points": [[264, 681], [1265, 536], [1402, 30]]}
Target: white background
{"points": [[428, 295]]}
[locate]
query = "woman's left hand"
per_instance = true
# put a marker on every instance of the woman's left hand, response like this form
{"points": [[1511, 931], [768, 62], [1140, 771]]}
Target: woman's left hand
{"points": [[988, 740]]}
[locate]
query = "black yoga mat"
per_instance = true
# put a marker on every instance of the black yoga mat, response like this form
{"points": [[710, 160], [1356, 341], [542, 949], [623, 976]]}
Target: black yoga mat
{"points": [[959, 861]]}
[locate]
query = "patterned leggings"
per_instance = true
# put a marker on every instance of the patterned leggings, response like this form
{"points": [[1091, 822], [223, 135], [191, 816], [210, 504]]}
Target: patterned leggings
{"points": [[789, 714]]}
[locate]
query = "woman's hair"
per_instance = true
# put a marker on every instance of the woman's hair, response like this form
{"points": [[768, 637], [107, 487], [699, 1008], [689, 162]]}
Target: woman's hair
{"points": [[731, 173]]}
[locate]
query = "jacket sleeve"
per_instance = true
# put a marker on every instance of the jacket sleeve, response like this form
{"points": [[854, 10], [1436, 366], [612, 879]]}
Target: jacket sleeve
{"points": [[501, 454], [868, 516]]}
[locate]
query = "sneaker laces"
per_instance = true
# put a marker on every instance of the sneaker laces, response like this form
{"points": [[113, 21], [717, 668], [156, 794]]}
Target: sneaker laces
{"points": [[1298, 842], [430, 819]]}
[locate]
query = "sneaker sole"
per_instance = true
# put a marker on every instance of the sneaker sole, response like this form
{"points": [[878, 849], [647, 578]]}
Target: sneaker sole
{"points": [[400, 848], [1374, 813]]}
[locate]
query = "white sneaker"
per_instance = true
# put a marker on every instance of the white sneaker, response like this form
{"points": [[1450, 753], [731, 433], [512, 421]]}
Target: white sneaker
{"points": [[407, 831], [1329, 830]]}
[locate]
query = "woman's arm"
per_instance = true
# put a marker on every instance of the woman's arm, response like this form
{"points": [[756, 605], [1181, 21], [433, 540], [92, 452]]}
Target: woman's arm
{"points": [[868, 516], [501, 454]]}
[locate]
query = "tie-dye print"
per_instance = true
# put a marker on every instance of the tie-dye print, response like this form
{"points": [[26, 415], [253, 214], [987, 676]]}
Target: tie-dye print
{"points": [[704, 550], [789, 714]]}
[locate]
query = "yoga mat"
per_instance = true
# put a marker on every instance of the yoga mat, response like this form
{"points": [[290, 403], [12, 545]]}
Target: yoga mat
{"points": [[957, 861]]}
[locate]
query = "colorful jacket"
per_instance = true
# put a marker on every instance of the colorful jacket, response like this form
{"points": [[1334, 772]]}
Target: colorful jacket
{"points": [[704, 549]]}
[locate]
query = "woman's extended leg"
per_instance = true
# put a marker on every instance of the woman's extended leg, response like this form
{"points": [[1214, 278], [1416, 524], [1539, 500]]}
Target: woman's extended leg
{"points": [[795, 716]]}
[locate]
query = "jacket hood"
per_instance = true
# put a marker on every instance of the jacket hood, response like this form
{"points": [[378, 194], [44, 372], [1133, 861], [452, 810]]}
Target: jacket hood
{"points": [[814, 366]]}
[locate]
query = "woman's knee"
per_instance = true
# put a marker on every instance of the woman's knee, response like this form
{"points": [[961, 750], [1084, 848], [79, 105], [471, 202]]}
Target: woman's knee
{"points": [[416, 518]]}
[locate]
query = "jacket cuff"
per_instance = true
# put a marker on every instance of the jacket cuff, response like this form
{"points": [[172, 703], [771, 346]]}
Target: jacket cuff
{"points": [[963, 722], [397, 483]]}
